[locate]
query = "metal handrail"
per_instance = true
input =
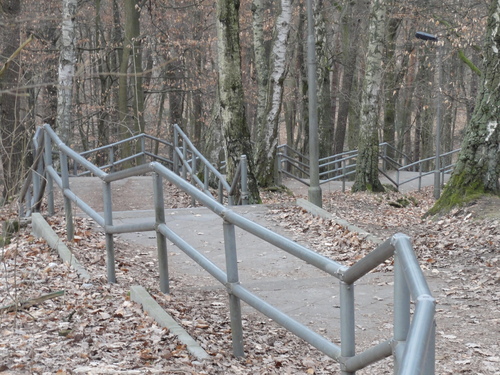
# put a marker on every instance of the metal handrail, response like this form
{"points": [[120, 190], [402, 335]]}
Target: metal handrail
{"points": [[412, 344], [184, 147], [112, 147], [337, 168]]}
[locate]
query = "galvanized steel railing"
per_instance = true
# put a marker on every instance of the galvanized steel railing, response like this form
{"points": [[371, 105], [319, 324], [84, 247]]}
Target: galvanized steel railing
{"points": [[140, 151], [187, 159], [340, 167], [412, 343]]}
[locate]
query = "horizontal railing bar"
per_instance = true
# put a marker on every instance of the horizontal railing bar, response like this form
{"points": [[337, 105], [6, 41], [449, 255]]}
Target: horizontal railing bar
{"points": [[325, 264], [369, 356], [129, 172], [294, 177], [190, 251], [72, 154], [84, 207], [158, 157], [378, 256], [292, 161], [127, 228], [300, 330], [336, 177], [117, 143]]}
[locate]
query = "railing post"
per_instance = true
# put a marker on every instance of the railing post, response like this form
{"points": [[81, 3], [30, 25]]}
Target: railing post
{"points": [[429, 367], [277, 169], [244, 180], [233, 278], [143, 150], [343, 173], [206, 177], [397, 178], [70, 231], [347, 326], [184, 159], [50, 182], [221, 195], [401, 311], [111, 157], [176, 156], [108, 220], [193, 173], [160, 238], [36, 173]]}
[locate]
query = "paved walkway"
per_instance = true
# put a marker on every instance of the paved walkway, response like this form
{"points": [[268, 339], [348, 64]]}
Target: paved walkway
{"points": [[305, 293], [296, 288]]}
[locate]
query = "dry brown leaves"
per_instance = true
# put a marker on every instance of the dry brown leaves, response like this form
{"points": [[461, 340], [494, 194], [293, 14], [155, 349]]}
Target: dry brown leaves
{"points": [[95, 329]]}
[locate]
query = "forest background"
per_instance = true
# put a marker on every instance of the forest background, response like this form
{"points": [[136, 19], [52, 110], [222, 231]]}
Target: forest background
{"points": [[141, 66]]}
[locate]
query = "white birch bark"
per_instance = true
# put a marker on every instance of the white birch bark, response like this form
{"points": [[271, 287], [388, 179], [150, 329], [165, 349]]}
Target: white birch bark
{"points": [[367, 161], [268, 139], [67, 60]]}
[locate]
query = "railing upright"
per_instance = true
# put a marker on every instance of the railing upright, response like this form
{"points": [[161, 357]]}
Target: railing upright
{"points": [[50, 182], [401, 312], [347, 327], [413, 342], [108, 221], [233, 279], [176, 157], [161, 240], [70, 231], [244, 180]]}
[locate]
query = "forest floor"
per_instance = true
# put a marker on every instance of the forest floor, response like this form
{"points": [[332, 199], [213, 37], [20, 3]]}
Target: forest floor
{"points": [[94, 328]]}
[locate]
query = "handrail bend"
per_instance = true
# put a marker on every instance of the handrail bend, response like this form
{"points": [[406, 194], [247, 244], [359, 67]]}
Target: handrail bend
{"points": [[413, 342]]}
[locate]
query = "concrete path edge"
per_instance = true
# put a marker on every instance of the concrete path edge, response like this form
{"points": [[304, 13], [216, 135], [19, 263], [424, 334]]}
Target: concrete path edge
{"points": [[137, 293], [318, 211], [140, 295], [42, 229]]}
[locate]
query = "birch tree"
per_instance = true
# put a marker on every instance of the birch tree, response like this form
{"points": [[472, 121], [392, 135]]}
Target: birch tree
{"points": [[67, 60], [368, 149], [478, 168], [235, 131], [267, 130]]}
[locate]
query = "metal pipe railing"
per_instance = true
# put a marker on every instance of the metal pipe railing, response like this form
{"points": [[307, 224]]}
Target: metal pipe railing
{"points": [[412, 344]]}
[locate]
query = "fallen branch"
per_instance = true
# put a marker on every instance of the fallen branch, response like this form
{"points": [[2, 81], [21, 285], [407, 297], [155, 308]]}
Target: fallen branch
{"points": [[30, 302]]}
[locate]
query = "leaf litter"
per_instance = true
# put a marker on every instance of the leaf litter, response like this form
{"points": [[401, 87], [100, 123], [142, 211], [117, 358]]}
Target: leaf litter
{"points": [[94, 328]]}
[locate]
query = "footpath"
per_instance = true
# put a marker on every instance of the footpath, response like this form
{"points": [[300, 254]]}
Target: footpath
{"points": [[296, 288]]}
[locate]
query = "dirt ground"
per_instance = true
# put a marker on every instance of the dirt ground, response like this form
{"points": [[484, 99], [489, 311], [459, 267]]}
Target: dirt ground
{"points": [[95, 329]]}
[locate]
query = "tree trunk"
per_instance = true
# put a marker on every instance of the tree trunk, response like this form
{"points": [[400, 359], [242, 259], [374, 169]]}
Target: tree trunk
{"points": [[351, 30], [391, 87], [325, 118], [368, 149], [131, 53], [67, 62], [234, 127], [478, 167], [267, 140], [12, 131]]}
